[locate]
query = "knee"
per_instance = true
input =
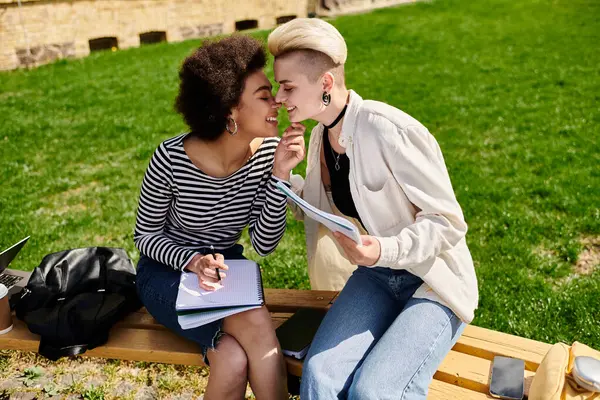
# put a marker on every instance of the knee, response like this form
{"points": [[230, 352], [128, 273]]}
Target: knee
{"points": [[318, 380], [363, 388], [230, 357], [257, 323], [315, 369], [373, 383]]}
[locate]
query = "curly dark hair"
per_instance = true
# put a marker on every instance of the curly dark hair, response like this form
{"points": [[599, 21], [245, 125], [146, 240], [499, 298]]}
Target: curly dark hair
{"points": [[212, 81]]}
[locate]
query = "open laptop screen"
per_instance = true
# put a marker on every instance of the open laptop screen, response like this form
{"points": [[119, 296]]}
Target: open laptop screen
{"points": [[9, 254]]}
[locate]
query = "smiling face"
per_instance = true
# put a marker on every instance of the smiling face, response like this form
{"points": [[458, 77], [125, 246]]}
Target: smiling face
{"points": [[301, 95], [256, 114]]}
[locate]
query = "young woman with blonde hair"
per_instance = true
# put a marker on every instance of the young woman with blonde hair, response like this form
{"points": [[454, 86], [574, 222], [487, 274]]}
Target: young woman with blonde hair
{"points": [[405, 305]]}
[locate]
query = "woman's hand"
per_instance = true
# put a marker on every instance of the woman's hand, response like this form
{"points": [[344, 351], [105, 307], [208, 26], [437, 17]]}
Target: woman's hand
{"points": [[366, 254], [290, 151], [205, 267]]}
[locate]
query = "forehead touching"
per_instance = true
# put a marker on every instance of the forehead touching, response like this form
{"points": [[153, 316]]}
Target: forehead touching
{"points": [[257, 81]]}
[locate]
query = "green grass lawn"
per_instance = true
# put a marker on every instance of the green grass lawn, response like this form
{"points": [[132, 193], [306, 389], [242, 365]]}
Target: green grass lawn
{"points": [[510, 89]]}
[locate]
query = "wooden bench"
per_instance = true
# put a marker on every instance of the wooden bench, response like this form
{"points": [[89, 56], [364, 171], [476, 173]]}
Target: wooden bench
{"points": [[464, 374]]}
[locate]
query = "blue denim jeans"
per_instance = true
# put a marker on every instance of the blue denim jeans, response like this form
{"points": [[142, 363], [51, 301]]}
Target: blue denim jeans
{"points": [[377, 341], [157, 286]]}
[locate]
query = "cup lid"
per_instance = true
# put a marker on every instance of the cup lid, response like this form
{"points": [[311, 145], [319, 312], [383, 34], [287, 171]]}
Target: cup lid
{"points": [[3, 290]]}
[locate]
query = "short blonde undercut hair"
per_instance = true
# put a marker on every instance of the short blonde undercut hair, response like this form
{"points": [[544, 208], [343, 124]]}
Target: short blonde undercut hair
{"points": [[309, 34]]}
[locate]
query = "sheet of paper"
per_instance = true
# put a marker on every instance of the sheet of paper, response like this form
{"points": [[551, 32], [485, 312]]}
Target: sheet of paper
{"points": [[195, 320], [331, 221]]}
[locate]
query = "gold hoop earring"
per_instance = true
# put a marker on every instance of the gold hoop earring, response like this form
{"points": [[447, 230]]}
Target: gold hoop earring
{"points": [[235, 127]]}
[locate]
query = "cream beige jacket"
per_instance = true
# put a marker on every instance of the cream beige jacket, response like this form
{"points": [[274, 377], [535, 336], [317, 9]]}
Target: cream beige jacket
{"points": [[402, 191]]}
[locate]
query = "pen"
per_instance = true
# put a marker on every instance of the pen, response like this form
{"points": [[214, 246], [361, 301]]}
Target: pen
{"points": [[212, 250]]}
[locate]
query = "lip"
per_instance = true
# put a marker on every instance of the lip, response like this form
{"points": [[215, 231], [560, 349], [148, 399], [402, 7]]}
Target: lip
{"points": [[274, 123]]}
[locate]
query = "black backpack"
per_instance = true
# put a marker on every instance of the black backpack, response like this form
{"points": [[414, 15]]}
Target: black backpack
{"points": [[75, 296]]}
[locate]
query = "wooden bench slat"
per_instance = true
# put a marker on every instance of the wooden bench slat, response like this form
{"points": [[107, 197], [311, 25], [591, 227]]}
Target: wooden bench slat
{"points": [[289, 300], [123, 344], [439, 390], [468, 371], [485, 343], [143, 320], [149, 345], [19, 338], [277, 300]]}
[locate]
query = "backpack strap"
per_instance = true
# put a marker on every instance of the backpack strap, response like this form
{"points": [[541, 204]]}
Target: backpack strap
{"points": [[54, 352]]}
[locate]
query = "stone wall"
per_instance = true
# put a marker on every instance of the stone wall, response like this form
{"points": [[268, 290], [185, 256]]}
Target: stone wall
{"points": [[338, 7], [45, 30]]}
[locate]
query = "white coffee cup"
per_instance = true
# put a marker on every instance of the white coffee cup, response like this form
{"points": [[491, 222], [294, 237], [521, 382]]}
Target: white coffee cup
{"points": [[6, 323]]}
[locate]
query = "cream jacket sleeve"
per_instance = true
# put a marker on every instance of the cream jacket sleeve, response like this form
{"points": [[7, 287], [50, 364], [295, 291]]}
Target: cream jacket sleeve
{"points": [[417, 165]]}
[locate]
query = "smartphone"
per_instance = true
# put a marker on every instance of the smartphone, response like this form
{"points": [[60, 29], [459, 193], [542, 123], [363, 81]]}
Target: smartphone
{"points": [[507, 380]]}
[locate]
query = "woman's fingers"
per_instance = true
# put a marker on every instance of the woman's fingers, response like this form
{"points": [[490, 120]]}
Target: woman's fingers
{"points": [[210, 286], [205, 286], [298, 125], [208, 275], [294, 129], [219, 264], [210, 265], [340, 236], [216, 262], [211, 274], [347, 244], [294, 140], [292, 136], [296, 148]]}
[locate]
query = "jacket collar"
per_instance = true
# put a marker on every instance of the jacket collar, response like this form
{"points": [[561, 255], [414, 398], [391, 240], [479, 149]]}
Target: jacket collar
{"points": [[349, 123]]}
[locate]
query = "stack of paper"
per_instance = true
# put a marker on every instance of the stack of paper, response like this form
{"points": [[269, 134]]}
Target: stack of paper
{"points": [[331, 221]]}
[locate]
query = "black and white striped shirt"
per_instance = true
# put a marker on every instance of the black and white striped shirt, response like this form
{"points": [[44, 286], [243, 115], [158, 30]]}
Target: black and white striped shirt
{"points": [[181, 209]]}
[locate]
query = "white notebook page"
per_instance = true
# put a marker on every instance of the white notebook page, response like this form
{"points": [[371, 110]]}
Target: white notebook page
{"points": [[241, 287]]}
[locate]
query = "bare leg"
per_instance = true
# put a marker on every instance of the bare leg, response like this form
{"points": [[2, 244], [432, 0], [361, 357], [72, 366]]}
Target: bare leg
{"points": [[266, 369], [228, 371]]}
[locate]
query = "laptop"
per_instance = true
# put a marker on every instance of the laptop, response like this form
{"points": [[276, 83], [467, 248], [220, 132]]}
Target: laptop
{"points": [[14, 280]]}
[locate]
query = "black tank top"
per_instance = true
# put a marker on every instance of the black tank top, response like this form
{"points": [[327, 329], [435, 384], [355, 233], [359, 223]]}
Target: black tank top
{"points": [[338, 175]]}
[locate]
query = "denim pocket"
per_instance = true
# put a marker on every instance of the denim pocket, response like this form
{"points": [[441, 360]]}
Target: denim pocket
{"points": [[404, 285]]}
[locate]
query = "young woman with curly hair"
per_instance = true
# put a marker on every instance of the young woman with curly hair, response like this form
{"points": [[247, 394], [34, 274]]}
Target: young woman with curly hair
{"points": [[200, 191]]}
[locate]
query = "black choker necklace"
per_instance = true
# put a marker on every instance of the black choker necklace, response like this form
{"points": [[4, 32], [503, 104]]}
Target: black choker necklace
{"points": [[339, 117], [336, 158]]}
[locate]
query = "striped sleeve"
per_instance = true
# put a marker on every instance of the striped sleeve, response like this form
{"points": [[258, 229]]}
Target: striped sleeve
{"points": [[268, 228], [153, 206]]}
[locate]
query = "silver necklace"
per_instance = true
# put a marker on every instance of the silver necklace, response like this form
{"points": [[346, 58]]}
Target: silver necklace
{"points": [[329, 127], [337, 159]]}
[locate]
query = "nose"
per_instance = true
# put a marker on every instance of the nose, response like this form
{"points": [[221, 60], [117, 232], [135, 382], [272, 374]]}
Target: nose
{"points": [[279, 96]]}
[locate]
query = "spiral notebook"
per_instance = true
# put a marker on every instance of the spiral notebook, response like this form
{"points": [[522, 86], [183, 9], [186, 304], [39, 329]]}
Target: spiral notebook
{"points": [[242, 290]]}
